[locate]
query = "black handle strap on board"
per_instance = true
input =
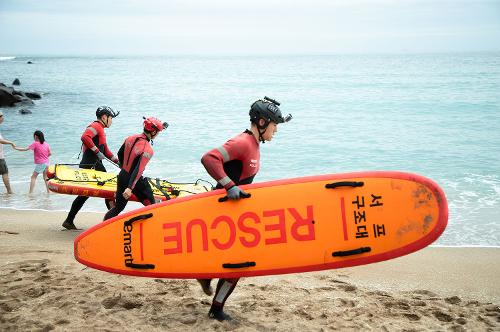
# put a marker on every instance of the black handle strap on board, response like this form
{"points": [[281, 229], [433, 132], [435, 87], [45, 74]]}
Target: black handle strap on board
{"points": [[334, 185], [358, 251], [242, 195], [139, 217], [158, 186], [128, 223], [140, 266], [238, 265]]}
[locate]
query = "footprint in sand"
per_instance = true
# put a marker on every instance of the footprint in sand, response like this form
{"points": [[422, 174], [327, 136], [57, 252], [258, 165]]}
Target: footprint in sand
{"points": [[424, 292], [188, 320], [34, 292], [32, 265], [62, 322], [348, 288], [453, 300], [303, 314], [418, 303], [412, 317], [42, 278], [493, 310], [401, 305], [442, 317], [380, 294], [120, 302], [345, 302], [10, 305], [486, 321]]}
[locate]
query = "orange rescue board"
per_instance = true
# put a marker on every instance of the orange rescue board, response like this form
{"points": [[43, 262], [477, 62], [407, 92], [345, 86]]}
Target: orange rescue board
{"points": [[286, 226]]}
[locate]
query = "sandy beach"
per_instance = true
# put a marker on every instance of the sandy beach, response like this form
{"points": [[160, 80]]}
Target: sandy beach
{"points": [[43, 288]]}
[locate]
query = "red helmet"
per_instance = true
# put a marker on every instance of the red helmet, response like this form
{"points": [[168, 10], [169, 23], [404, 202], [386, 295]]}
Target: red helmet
{"points": [[154, 124]]}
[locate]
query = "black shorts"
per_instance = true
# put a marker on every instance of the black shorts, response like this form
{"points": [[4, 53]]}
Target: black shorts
{"points": [[3, 167]]}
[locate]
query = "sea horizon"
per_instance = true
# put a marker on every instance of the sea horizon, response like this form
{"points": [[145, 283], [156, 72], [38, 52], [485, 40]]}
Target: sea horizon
{"points": [[244, 55]]}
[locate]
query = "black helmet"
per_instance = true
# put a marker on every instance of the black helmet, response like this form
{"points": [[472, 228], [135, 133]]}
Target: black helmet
{"points": [[106, 110], [268, 110]]}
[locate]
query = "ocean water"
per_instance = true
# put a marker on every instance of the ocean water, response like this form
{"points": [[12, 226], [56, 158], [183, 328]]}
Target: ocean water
{"points": [[437, 115]]}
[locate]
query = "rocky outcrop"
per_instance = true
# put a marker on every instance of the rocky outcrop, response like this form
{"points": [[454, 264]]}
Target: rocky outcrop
{"points": [[33, 95], [10, 97], [24, 111], [16, 82], [7, 98]]}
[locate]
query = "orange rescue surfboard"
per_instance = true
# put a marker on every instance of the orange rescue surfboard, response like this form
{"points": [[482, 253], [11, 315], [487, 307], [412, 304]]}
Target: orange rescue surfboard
{"points": [[286, 226]]}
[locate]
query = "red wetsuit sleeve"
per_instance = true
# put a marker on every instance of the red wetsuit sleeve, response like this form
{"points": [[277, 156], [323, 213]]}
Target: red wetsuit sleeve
{"points": [[214, 160], [88, 136], [140, 166], [96, 129]]}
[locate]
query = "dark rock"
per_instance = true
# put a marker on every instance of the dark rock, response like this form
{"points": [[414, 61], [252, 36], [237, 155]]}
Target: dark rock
{"points": [[33, 95], [29, 62], [23, 101], [7, 98], [24, 111], [9, 89], [19, 93], [30, 95], [16, 82], [11, 97]]}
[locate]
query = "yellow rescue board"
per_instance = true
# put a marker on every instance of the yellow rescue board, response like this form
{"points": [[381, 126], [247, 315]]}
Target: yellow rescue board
{"points": [[89, 182], [286, 226]]}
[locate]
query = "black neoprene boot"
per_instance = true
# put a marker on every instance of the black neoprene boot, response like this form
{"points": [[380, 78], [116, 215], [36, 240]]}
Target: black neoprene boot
{"points": [[205, 285], [68, 224], [219, 314]]}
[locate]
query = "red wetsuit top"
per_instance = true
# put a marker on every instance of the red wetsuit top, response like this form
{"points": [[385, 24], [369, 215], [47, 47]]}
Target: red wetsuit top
{"points": [[134, 154], [234, 163], [94, 141]]}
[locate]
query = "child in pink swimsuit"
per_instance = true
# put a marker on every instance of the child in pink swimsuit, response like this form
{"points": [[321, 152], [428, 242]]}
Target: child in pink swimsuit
{"points": [[41, 152]]}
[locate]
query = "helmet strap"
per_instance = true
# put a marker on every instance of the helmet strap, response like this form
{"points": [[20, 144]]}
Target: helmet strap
{"points": [[262, 129], [105, 124], [149, 135]]}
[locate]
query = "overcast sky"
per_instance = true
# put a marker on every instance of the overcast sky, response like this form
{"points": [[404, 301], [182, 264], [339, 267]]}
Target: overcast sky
{"points": [[241, 27]]}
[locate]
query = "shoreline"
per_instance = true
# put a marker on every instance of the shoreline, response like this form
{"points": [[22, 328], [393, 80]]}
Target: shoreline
{"points": [[44, 287], [138, 206]]}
